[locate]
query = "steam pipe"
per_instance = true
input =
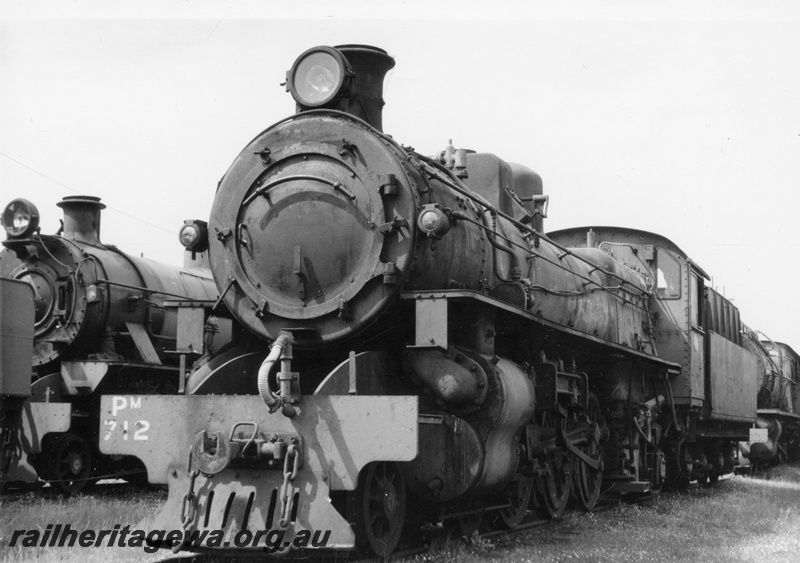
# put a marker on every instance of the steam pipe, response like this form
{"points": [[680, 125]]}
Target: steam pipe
{"points": [[275, 353], [285, 377], [461, 188], [491, 232]]}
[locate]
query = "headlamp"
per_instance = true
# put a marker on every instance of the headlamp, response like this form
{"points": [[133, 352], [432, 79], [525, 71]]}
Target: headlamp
{"points": [[194, 235], [20, 218], [318, 76]]}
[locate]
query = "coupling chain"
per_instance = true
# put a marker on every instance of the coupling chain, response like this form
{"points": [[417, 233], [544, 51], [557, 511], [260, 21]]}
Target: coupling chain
{"points": [[10, 449], [291, 464], [190, 501]]}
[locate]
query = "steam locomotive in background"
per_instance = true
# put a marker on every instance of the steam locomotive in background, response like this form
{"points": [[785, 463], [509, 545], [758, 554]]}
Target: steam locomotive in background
{"points": [[99, 326], [415, 344], [778, 402]]}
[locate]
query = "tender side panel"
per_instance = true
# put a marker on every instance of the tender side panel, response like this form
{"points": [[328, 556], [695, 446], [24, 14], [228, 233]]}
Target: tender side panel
{"points": [[16, 337], [698, 370], [733, 388]]}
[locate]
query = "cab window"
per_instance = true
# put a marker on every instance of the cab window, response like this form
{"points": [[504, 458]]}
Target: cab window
{"points": [[668, 276]]}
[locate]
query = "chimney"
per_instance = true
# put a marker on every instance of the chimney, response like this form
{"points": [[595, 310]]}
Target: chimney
{"points": [[82, 218], [370, 65]]}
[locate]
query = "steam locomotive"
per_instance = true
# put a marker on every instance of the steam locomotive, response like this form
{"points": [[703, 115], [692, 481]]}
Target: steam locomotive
{"points": [[99, 326], [416, 344], [778, 369]]}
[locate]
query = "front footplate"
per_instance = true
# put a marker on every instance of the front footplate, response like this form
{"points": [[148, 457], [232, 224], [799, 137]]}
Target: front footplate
{"points": [[336, 437]]}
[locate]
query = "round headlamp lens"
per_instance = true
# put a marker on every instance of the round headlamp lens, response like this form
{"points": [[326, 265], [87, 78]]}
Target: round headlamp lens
{"points": [[429, 221], [188, 236], [433, 221], [20, 218], [317, 77], [194, 235]]}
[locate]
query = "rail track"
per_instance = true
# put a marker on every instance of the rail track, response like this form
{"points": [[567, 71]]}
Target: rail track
{"points": [[532, 522]]}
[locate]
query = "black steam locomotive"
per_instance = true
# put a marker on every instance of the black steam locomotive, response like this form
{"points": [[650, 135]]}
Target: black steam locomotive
{"points": [[423, 343], [99, 326], [778, 369]]}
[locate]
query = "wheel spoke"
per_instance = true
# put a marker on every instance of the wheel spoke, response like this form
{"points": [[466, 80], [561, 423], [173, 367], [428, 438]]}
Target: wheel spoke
{"points": [[381, 496], [553, 490], [518, 494], [588, 481], [69, 462], [379, 529]]}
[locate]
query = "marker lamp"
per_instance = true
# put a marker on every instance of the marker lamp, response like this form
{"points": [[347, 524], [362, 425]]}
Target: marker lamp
{"points": [[433, 221]]}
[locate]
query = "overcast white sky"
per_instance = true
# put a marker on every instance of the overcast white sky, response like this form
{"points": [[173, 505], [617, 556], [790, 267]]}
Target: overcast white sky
{"points": [[662, 116]]}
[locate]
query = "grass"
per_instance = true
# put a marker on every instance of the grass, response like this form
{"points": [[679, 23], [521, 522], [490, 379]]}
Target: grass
{"points": [[741, 519], [101, 508]]}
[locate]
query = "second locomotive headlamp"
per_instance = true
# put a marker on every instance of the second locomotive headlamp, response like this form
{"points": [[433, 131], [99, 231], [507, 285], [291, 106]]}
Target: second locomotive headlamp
{"points": [[194, 235], [20, 218]]}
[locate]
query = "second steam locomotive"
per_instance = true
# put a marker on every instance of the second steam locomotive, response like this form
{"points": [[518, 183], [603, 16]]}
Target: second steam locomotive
{"points": [[100, 326]]}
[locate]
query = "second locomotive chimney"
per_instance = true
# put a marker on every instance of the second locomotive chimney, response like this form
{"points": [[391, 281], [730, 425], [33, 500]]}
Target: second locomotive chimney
{"points": [[82, 218]]}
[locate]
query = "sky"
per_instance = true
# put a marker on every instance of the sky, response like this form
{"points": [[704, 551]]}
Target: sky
{"points": [[669, 117]]}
